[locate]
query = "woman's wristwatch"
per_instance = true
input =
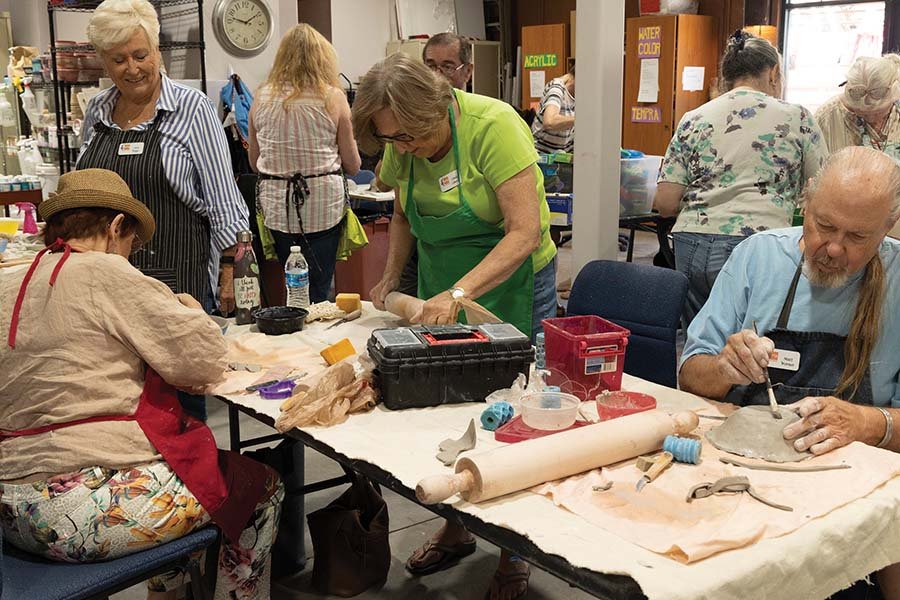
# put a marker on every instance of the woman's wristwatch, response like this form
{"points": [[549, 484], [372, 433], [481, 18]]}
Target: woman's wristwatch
{"points": [[457, 293]]}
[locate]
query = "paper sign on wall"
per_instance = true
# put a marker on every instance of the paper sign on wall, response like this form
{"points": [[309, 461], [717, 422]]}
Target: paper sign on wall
{"points": [[649, 41], [649, 85], [692, 79], [536, 81], [646, 114]]}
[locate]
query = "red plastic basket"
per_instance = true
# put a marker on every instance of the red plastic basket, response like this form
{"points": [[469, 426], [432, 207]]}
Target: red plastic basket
{"points": [[585, 354]]}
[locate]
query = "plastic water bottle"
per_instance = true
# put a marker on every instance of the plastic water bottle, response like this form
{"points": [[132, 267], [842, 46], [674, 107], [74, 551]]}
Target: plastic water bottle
{"points": [[296, 278]]}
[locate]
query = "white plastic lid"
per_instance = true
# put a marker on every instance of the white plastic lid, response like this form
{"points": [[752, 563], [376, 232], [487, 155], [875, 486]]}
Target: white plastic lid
{"points": [[45, 169], [296, 249]]}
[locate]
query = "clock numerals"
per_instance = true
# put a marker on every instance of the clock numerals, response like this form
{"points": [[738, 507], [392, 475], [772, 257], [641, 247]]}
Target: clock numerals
{"points": [[244, 24]]}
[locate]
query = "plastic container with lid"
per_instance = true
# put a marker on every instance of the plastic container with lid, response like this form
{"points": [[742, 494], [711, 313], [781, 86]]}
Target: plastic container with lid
{"points": [[637, 185], [49, 178]]}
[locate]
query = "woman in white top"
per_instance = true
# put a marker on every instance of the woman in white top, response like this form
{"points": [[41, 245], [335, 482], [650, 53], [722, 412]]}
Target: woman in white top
{"points": [[301, 143]]}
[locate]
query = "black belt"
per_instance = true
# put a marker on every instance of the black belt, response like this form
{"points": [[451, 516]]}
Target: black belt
{"points": [[297, 190]]}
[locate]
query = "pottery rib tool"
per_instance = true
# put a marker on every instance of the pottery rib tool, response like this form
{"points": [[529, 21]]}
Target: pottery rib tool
{"points": [[773, 403], [520, 466], [655, 466]]}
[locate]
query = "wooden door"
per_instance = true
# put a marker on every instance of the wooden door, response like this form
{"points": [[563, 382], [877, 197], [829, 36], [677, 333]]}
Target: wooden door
{"points": [[647, 126], [544, 51], [697, 47]]}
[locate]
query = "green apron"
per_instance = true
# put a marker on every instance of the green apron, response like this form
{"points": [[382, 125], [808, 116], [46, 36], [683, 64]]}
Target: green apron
{"points": [[452, 245]]}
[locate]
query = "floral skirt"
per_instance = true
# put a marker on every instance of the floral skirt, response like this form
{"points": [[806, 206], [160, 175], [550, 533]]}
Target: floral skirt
{"points": [[98, 514]]}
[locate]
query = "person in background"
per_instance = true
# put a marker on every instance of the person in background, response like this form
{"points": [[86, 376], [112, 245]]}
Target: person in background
{"points": [[554, 124], [98, 459], [866, 113], [301, 144], [165, 140], [736, 165], [829, 292], [471, 198]]}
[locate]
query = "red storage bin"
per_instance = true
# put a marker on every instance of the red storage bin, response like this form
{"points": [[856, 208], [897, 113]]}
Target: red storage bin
{"points": [[585, 354], [363, 270]]}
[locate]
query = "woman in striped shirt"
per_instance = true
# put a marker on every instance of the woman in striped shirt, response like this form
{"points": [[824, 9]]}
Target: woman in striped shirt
{"points": [[301, 143]]}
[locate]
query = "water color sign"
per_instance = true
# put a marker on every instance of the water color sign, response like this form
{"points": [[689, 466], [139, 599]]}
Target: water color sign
{"points": [[540, 61], [649, 41], [646, 114]]}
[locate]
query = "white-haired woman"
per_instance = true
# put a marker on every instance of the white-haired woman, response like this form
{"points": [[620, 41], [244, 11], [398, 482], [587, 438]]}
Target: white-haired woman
{"points": [[866, 112], [165, 140], [301, 143]]}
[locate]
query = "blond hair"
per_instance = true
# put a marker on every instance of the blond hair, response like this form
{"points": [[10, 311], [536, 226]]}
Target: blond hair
{"points": [[305, 62], [881, 176], [114, 22], [417, 96]]}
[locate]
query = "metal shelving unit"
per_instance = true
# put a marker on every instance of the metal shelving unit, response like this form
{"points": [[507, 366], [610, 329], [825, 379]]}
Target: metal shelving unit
{"points": [[62, 90]]}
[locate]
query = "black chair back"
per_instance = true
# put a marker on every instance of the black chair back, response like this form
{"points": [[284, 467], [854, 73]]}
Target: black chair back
{"points": [[645, 299]]}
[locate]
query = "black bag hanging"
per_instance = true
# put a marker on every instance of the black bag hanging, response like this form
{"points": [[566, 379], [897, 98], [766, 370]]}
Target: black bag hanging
{"points": [[350, 540]]}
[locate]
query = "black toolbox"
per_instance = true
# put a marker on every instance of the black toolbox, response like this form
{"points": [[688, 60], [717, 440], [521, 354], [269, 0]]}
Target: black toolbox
{"points": [[429, 365]]}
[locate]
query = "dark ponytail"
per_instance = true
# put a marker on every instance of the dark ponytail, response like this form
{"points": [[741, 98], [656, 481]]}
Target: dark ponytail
{"points": [[746, 56]]}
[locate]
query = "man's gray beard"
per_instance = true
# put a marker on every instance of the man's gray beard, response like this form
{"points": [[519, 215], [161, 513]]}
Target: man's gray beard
{"points": [[825, 279]]}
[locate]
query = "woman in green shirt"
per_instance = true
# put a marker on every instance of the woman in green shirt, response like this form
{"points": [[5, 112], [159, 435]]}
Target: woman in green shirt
{"points": [[469, 191], [470, 195]]}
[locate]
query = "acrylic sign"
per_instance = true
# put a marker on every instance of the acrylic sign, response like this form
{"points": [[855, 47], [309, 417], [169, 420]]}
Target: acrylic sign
{"points": [[646, 114], [538, 61], [649, 41]]}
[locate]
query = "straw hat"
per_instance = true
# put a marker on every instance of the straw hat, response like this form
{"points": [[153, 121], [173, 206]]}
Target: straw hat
{"points": [[98, 188]]}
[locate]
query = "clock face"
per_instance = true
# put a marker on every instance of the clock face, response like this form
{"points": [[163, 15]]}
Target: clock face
{"points": [[245, 26]]}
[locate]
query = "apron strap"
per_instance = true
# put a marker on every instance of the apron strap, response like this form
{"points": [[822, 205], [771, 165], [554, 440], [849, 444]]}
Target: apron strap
{"points": [[789, 300], [7, 434], [20, 298]]}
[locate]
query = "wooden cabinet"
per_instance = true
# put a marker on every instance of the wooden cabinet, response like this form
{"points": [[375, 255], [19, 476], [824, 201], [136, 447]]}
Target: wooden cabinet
{"points": [[677, 42], [485, 63], [545, 49]]}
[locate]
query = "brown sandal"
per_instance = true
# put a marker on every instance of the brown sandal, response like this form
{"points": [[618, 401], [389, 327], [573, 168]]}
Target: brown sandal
{"points": [[450, 555], [502, 580]]}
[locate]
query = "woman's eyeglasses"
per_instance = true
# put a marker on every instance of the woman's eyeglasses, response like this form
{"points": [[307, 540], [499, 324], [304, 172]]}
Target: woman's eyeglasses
{"points": [[858, 92], [137, 244], [399, 137]]}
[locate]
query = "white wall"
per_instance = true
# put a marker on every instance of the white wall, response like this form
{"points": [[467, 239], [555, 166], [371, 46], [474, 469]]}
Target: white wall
{"points": [[30, 27], [360, 31]]}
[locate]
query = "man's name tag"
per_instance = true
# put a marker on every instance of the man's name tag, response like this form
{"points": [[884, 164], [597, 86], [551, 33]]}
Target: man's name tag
{"points": [[131, 148], [788, 360], [449, 181]]}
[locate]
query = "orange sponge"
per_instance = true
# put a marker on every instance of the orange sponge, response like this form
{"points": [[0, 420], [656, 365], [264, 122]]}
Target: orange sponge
{"points": [[338, 351]]}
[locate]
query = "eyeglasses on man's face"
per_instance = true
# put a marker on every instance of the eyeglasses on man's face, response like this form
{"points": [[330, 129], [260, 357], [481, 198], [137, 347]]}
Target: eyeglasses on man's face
{"points": [[448, 69]]}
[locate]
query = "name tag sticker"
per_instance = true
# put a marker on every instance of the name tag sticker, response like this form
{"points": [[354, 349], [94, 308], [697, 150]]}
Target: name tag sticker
{"points": [[449, 181], [131, 149], [788, 360]]}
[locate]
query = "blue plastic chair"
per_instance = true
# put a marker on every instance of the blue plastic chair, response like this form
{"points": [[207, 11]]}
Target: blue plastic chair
{"points": [[29, 577], [363, 177], [645, 299]]}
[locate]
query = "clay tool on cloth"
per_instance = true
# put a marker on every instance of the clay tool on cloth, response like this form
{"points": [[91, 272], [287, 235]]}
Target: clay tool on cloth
{"points": [[773, 403], [350, 317], [652, 466]]}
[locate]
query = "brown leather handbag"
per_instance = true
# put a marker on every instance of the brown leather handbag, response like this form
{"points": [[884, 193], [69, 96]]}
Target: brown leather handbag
{"points": [[350, 540]]}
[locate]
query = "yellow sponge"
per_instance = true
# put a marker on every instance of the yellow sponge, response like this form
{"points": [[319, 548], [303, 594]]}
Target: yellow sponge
{"points": [[338, 352], [348, 302]]}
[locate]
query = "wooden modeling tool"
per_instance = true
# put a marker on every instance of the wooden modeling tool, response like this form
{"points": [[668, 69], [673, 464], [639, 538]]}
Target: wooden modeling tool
{"points": [[520, 466], [656, 465], [350, 317], [773, 403]]}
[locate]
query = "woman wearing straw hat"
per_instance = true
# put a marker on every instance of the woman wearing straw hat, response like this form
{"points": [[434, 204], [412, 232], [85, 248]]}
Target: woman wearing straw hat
{"points": [[98, 459]]}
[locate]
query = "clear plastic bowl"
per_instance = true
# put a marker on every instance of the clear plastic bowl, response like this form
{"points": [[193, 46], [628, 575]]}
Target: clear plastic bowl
{"points": [[549, 411]]}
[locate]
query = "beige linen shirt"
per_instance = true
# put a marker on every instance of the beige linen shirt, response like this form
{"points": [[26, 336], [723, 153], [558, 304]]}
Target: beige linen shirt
{"points": [[81, 350]]}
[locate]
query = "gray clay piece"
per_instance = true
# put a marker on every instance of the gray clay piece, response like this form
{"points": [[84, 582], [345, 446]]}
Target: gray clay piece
{"points": [[450, 448], [752, 432]]}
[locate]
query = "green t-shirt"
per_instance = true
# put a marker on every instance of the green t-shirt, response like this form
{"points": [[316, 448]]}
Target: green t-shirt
{"points": [[494, 144]]}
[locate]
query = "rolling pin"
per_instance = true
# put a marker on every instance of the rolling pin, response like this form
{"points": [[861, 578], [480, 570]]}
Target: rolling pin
{"points": [[402, 305], [520, 466]]}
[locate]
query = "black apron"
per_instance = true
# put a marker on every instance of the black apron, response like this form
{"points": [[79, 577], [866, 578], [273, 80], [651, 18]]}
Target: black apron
{"points": [[821, 365], [178, 254]]}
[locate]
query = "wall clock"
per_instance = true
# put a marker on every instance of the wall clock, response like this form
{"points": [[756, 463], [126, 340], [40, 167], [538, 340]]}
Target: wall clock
{"points": [[243, 27]]}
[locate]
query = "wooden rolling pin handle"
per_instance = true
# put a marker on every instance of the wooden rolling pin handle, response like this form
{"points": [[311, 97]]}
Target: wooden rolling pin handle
{"points": [[685, 422], [402, 305], [437, 488]]}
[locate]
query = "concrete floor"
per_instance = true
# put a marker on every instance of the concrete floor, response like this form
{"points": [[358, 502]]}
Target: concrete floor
{"points": [[411, 525]]}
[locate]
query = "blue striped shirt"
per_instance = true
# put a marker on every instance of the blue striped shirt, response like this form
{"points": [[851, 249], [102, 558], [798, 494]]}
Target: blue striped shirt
{"points": [[195, 157]]}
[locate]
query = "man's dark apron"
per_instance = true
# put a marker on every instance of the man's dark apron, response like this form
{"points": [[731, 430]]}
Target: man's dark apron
{"points": [[820, 369], [178, 254]]}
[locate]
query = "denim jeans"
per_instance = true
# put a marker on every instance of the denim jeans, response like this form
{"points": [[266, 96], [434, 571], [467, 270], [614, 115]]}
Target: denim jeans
{"points": [[320, 251], [544, 302], [700, 256]]}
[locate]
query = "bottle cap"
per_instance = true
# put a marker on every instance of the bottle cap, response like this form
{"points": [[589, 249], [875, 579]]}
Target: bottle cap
{"points": [[244, 237], [296, 249]]}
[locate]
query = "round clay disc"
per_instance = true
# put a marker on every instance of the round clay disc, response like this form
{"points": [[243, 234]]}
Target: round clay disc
{"points": [[753, 432]]}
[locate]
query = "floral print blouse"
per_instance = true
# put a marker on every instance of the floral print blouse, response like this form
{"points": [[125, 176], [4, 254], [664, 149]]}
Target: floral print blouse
{"points": [[743, 158]]}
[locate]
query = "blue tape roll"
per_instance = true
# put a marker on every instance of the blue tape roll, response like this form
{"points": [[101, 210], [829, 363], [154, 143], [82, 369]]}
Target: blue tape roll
{"points": [[684, 450], [496, 415]]}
